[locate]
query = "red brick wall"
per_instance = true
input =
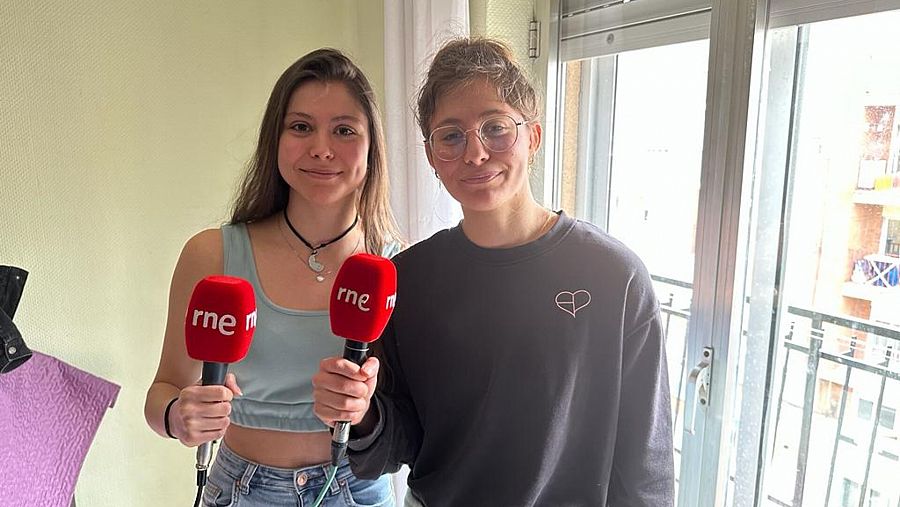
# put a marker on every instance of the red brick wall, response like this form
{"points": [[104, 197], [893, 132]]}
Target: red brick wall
{"points": [[865, 233], [857, 307], [864, 238]]}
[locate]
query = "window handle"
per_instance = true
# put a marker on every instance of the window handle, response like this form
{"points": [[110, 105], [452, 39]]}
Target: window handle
{"points": [[698, 389]]}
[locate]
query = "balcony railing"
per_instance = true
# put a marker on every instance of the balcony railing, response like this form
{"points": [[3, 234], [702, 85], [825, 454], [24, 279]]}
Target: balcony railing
{"points": [[823, 453], [857, 358], [675, 305], [878, 270]]}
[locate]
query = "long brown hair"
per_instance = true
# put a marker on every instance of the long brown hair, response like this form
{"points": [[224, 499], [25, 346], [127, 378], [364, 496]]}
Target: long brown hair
{"points": [[263, 192]]}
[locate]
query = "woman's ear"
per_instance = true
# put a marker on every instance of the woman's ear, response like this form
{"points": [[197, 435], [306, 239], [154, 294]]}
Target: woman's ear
{"points": [[535, 134]]}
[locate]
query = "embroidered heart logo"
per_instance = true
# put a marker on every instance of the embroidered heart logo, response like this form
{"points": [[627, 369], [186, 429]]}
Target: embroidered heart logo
{"points": [[571, 302]]}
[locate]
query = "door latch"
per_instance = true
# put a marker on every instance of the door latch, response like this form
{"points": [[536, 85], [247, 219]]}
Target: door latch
{"points": [[698, 389]]}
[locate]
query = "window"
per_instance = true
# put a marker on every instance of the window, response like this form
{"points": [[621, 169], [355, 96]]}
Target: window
{"points": [[892, 233], [887, 418], [849, 493], [783, 246], [864, 411]]}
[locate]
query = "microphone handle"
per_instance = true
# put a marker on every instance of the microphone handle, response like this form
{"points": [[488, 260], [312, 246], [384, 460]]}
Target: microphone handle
{"points": [[354, 351], [213, 375]]}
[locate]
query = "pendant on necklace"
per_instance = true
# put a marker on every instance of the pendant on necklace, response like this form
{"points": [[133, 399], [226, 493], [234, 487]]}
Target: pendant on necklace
{"points": [[320, 278], [314, 264]]}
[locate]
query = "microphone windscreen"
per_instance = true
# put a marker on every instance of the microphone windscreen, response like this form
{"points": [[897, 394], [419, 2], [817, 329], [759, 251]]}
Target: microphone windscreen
{"points": [[363, 297], [220, 320]]}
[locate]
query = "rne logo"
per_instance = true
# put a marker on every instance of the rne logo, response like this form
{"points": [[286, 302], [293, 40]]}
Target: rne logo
{"points": [[223, 324]]}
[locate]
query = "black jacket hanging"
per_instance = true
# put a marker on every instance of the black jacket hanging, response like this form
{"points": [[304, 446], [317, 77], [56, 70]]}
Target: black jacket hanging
{"points": [[14, 352]]}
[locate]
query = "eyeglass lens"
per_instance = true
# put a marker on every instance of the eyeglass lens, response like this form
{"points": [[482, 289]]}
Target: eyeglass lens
{"points": [[497, 134]]}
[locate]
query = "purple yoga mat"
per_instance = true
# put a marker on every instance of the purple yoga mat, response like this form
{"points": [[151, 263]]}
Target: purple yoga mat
{"points": [[49, 414]]}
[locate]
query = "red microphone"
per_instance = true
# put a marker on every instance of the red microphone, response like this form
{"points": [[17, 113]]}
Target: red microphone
{"points": [[362, 299], [218, 328]]}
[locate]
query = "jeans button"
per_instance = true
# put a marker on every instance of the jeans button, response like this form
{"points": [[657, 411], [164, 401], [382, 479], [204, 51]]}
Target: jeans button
{"points": [[301, 479]]}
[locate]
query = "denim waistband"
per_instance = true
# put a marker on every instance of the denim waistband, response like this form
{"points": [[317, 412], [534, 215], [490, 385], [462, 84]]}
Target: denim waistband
{"points": [[299, 479]]}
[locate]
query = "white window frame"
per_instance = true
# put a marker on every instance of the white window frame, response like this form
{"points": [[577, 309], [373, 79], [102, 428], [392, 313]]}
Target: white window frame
{"points": [[737, 29]]}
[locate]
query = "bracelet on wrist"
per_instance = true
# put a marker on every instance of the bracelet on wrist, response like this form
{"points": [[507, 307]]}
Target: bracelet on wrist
{"points": [[166, 417]]}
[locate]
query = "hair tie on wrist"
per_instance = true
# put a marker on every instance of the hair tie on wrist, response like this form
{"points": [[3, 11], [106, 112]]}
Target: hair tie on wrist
{"points": [[166, 417]]}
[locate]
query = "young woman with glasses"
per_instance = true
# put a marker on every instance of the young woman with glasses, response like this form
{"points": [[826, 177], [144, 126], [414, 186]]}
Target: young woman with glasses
{"points": [[524, 363]]}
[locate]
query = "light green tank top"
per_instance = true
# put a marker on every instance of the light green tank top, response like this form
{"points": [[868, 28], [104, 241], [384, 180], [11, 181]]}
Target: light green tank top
{"points": [[287, 346]]}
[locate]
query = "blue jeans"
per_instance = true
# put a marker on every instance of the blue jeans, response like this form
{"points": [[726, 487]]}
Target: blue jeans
{"points": [[234, 481]]}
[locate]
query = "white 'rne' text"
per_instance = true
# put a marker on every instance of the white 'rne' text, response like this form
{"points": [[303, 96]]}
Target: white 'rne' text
{"points": [[223, 324]]}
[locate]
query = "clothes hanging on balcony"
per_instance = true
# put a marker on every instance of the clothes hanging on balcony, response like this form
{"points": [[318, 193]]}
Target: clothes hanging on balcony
{"points": [[49, 414]]}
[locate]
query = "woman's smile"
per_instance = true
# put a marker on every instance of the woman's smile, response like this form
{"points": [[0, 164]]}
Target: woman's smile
{"points": [[481, 177], [321, 174]]}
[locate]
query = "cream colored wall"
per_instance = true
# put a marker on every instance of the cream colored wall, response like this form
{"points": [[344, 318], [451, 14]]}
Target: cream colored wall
{"points": [[123, 128]]}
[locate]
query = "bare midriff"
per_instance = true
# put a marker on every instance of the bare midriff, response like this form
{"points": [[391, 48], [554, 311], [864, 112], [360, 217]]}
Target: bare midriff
{"points": [[281, 449]]}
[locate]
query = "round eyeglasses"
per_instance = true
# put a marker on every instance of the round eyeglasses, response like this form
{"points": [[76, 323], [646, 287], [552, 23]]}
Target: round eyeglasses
{"points": [[497, 134]]}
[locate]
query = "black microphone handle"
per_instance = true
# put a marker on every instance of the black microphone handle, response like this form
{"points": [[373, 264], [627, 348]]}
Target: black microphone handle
{"points": [[354, 351], [213, 375]]}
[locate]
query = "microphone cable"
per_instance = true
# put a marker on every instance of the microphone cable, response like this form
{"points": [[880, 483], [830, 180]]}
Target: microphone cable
{"points": [[202, 470], [201, 483], [329, 479], [200, 480]]}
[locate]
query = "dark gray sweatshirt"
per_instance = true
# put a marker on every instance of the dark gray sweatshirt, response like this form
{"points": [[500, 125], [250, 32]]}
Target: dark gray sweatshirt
{"points": [[533, 375]]}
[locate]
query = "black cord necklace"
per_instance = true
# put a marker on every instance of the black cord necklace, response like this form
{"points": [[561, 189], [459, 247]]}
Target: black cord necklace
{"points": [[313, 263]]}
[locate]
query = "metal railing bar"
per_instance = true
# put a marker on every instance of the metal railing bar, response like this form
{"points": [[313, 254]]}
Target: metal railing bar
{"points": [[781, 503], [672, 281], [877, 420], [809, 395], [780, 398], [846, 361], [668, 311], [837, 436], [848, 322], [859, 365], [676, 313], [787, 359], [680, 387]]}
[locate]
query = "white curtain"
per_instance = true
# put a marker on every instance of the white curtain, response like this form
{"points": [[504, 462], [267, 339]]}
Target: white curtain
{"points": [[413, 31]]}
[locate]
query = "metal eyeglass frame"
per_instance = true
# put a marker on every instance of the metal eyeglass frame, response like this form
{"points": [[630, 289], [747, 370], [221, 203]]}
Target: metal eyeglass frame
{"points": [[430, 140]]}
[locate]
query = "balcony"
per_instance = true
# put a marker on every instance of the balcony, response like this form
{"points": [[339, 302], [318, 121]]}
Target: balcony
{"points": [[889, 197], [834, 435], [875, 276]]}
